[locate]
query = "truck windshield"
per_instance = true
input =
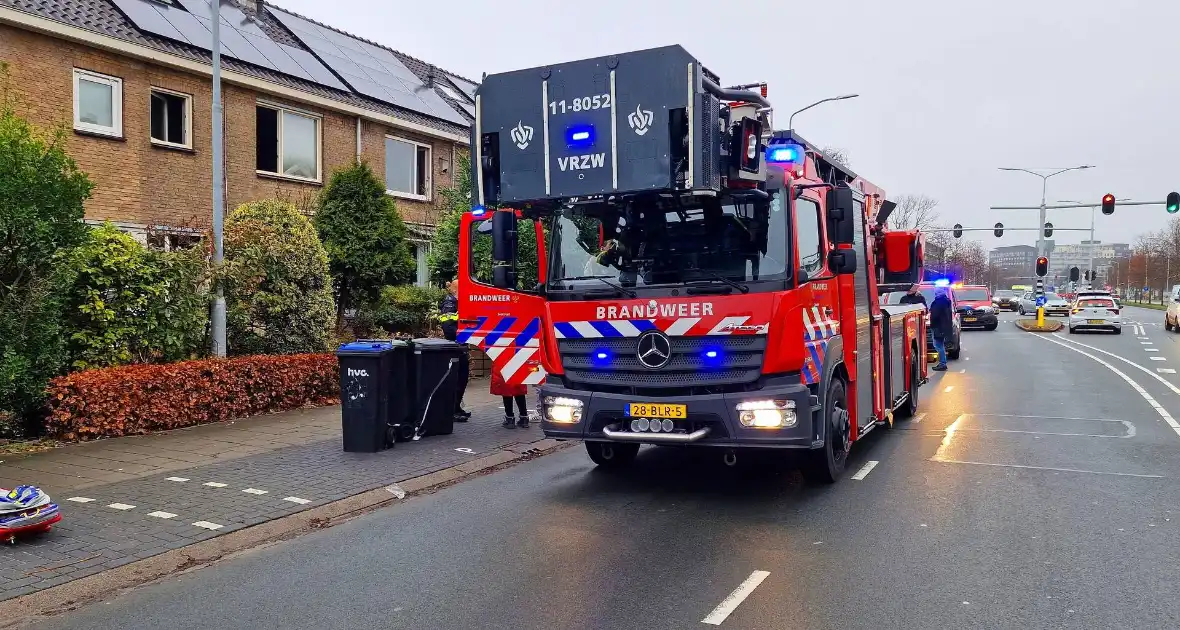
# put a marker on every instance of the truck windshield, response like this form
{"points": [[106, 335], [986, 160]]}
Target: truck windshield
{"points": [[972, 295], [726, 242]]}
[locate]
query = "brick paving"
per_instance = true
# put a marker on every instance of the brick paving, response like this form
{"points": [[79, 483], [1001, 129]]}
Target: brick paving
{"points": [[290, 462]]}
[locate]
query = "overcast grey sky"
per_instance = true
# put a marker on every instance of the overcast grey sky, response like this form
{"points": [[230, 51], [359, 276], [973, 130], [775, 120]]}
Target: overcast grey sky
{"points": [[950, 90]]}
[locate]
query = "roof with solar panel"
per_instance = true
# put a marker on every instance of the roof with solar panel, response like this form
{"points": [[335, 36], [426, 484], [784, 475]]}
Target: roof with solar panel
{"points": [[282, 47]]}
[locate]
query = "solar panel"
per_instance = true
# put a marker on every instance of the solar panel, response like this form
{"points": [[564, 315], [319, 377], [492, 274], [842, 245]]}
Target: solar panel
{"points": [[241, 38], [370, 70], [467, 86]]}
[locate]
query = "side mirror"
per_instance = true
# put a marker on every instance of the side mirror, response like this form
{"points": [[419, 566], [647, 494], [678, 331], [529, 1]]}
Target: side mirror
{"points": [[504, 249], [842, 212], [842, 261]]}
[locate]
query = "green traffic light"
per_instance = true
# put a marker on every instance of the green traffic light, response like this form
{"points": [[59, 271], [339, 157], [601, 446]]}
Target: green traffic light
{"points": [[1173, 209]]}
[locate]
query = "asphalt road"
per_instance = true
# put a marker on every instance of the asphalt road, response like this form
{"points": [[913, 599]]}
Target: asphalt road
{"points": [[1037, 490]]}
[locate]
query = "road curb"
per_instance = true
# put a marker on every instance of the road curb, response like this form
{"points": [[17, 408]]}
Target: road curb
{"points": [[76, 593]]}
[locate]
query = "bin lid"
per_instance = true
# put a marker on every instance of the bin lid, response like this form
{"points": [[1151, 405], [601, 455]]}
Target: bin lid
{"points": [[434, 344], [366, 346]]}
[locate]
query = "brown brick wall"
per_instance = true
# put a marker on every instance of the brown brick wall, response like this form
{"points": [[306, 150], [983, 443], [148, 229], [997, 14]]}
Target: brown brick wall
{"points": [[138, 183]]}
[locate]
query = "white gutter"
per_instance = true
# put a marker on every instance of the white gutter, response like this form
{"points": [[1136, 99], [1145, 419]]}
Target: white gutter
{"points": [[67, 32]]}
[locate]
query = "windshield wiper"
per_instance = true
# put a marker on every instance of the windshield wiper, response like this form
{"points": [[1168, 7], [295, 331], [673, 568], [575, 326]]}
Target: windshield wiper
{"points": [[720, 278], [604, 279]]}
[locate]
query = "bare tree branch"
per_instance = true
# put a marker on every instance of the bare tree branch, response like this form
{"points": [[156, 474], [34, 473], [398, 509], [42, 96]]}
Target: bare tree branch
{"points": [[914, 212]]}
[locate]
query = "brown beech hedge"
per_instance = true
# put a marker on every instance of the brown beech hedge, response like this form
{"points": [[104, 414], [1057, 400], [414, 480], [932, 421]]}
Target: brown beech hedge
{"points": [[139, 399]]}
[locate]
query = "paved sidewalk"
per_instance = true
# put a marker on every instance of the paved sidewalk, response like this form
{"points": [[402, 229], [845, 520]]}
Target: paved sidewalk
{"points": [[125, 499]]}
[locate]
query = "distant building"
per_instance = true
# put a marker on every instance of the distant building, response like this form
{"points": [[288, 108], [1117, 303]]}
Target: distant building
{"points": [[1104, 254]]}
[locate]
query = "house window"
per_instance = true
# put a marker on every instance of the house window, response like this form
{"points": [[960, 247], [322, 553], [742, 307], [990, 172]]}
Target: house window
{"points": [[172, 119], [98, 103], [407, 168], [288, 143]]}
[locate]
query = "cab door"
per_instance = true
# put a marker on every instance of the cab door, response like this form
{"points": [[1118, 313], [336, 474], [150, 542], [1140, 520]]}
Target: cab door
{"points": [[505, 324]]}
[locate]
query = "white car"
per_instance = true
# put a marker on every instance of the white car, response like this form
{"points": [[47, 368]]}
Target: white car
{"points": [[1095, 312], [1054, 304]]}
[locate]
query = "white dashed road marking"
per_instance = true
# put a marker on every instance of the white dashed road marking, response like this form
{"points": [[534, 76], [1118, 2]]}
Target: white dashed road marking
{"points": [[1151, 349], [208, 525], [162, 514], [254, 491], [121, 506], [948, 389], [735, 599], [177, 479], [1157, 358], [80, 499], [297, 500], [214, 484], [1165, 370], [865, 470]]}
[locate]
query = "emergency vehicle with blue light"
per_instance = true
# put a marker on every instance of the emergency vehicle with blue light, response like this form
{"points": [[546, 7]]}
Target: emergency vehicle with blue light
{"points": [[703, 281]]}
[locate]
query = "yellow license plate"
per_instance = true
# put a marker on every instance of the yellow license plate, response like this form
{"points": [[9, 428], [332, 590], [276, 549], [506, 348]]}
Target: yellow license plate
{"points": [[651, 410], [968, 319], [1095, 321]]}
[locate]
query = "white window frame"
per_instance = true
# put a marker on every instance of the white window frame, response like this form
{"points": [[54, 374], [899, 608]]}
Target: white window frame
{"points": [[116, 128], [319, 142], [188, 119], [429, 170]]}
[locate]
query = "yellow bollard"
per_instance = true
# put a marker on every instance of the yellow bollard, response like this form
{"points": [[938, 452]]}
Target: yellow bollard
{"points": [[1040, 317]]}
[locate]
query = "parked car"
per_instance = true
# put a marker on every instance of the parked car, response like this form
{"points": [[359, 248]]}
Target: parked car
{"points": [[1095, 312], [975, 307], [954, 346], [1054, 304], [1172, 315], [1005, 300]]}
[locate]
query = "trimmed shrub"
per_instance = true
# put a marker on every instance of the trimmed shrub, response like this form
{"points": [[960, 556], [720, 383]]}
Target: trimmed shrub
{"points": [[139, 399], [277, 288], [130, 304], [407, 309]]}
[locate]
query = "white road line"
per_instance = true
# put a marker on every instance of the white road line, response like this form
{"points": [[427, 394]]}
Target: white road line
{"points": [[1142, 392], [214, 484], [948, 389], [735, 599], [1151, 350], [963, 371], [162, 514], [207, 525], [80, 499], [1165, 370], [919, 417], [254, 491], [297, 500], [177, 479], [121, 506], [865, 470], [1147, 343], [1072, 470], [1175, 390]]}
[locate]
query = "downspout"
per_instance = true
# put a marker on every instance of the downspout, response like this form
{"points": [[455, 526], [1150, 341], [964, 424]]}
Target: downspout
{"points": [[358, 138]]}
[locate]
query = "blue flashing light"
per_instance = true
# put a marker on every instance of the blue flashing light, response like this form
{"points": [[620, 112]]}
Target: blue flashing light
{"points": [[579, 136], [785, 153], [711, 357], [711, 354], [942, 282], [600, 358], [478, 211]]}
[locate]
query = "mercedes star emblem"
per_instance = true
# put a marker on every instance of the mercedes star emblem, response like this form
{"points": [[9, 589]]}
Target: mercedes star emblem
{"points": [[654, 350]]}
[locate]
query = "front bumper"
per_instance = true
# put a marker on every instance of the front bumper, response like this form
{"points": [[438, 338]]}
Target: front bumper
{"points": [[712, 419], [1006, 306], [1107, 323], [988, 320]]}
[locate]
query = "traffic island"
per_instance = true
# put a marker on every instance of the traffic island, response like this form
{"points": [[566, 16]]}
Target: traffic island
{"points": [[1030, 325]]}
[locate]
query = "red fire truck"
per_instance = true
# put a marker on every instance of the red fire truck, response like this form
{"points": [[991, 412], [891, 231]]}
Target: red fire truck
{"points": [[702, 280]]}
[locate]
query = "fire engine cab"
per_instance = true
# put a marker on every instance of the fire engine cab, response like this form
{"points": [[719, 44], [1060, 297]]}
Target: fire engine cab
{"points": [[702, 280]]}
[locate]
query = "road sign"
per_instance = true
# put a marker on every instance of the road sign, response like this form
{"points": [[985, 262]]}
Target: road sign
{"points": [[1041, 300], [1145, 289]]}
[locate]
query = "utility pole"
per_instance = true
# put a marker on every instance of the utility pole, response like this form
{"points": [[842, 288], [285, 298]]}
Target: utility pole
{"points": [[217, 319]]}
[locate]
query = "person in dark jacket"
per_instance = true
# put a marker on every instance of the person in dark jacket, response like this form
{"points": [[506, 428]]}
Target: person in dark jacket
{"points": [[942, 326], [914, 296], [448, 317]]}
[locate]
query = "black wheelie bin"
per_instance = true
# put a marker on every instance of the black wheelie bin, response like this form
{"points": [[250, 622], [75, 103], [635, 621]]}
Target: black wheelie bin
{"points": [[434, 378], [365, 394]]}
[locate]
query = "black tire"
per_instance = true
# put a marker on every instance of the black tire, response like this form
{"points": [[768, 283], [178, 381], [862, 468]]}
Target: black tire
{"points": [[612, 456], [825, 465], [953, 355], [1167, 324], [910, 408], [1071, 330], [1118, 331], [992, 327]]}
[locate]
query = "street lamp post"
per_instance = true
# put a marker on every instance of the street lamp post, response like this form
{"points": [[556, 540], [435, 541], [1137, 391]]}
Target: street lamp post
{"points": [[1044, 188], [217, 318], [1093, 210], [791, 120]]}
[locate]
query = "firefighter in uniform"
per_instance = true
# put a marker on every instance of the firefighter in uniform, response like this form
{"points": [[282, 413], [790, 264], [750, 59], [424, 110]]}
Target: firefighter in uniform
{"points": [[449, 318]]}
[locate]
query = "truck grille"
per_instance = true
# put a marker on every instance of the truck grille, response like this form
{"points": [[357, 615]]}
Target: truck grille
{"points": [[739, 362]]}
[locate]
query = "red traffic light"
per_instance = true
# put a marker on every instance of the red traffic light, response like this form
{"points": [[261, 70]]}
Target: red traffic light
{"points": [[1108, 204], [1042, 266]]}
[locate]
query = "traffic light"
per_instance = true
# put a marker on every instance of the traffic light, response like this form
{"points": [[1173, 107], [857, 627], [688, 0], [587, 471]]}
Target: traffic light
{"points": [[958, 230], [999, 231], [1173, 202], [1074, 274], [1108, 204], [1042, 266], [1048, 230], [1087, 275]]}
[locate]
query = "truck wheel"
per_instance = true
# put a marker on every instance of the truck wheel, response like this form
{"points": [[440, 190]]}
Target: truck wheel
{"points": [[954, 354], [910, 408], [825, 465], [610, 455]]}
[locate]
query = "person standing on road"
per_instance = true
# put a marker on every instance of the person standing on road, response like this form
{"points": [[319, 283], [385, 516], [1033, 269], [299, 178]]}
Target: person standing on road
{"points": [[509, 394], [914, 296], [941, 326], [448, 316]]}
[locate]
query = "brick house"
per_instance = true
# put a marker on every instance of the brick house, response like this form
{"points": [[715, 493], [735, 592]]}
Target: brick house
{"points": [[137, 107]]}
